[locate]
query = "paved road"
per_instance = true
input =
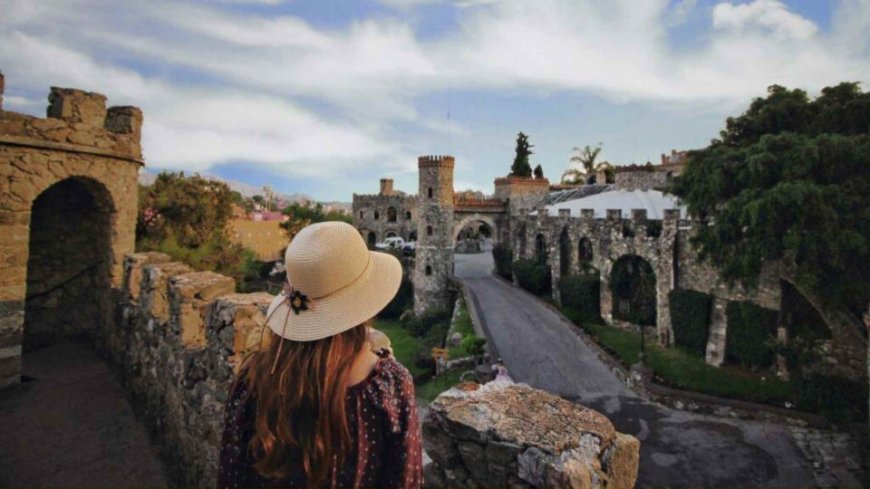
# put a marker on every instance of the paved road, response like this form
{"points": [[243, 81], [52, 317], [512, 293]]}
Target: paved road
{"points": [[71, 426], [678, 449]]}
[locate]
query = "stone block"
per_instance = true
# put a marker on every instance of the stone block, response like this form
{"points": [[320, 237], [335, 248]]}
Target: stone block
{"points": [[154, 293], [614, 214], [638, 214], [190, 294], [587, 213], [236, 322], [133, 270], [564, 213], [623, 463], [77, 106]]}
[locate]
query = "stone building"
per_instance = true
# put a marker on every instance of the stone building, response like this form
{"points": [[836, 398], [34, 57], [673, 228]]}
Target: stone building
{"points": [[433, 265], [388, 213], [68, 200]]}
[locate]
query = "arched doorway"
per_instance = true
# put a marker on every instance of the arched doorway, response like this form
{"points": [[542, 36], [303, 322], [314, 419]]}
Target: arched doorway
{"points": [[472, 235], [69, 262], [633, 284], [372, 239]]}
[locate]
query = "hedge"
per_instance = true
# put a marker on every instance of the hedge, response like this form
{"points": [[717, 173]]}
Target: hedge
{"points": [[839, 399], [403, 300], [533, 276], [582, 293], [751, 333], [502, 256], [420, 326], [690, 319]]}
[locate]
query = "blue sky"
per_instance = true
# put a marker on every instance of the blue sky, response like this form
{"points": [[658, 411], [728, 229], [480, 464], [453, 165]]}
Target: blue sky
{"points": [[324, 98]]}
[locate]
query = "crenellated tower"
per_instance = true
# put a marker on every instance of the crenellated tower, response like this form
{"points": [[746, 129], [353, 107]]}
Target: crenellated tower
{"points": [[434, 262]]}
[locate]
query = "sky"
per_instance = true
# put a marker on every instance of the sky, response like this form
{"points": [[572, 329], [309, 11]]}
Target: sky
{"points": [[326, 97]]}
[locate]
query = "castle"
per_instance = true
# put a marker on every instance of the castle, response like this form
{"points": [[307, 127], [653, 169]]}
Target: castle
{"points": [[604, 229]]}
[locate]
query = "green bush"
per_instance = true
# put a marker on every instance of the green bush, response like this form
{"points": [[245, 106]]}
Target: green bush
{"points": [[837, 398], [751, 335], [503, 257], [690, 318], [420, 326], [533, 276], [403, 300], [582, 293]]}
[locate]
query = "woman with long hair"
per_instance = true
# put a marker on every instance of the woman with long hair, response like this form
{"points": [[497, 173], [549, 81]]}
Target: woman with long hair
{"points": [[317, 405]]}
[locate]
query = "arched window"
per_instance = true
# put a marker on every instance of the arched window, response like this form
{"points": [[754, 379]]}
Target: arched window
{"points": [[412, 236], [564, 252], [541, 249], [428, 270], [362, 214], [428, 230], [391, 214], [377, 215], [391, 234], [430, 192], [585, 251], [408, 215]]}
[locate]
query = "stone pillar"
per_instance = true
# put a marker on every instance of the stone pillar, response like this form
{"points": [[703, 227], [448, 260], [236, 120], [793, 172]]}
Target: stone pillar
{"points": [[606, 294], [433, 266], [718, 331]]}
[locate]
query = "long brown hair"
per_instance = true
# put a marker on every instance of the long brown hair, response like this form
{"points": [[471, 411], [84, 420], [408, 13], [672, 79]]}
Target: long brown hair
{"points": [[300, 390]]}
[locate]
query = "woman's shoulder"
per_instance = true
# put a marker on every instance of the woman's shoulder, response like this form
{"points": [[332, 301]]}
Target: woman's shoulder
{"points": [[388, 378]]}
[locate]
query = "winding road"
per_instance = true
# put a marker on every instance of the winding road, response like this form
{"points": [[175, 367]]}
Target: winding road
{"points": [[678, 449]]}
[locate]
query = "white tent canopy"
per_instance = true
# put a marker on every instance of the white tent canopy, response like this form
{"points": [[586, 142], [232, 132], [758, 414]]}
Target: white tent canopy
{"points": [[653, 201]]}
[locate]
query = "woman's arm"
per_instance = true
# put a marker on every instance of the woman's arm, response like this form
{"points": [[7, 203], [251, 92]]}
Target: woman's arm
{"points": [[403, 453]]}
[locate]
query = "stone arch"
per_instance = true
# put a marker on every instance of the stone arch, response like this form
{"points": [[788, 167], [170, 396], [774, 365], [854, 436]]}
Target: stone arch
{"points": [[633, 285], [392, 214], [69, 261], [541, 248], [486, 220], [390, 233], [370, 237]]}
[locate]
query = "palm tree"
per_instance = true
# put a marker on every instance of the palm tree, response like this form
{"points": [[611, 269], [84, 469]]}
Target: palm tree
{"points": [[583, 163]]}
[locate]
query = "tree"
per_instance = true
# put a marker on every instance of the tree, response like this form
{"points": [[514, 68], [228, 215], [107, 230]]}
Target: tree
{"points": [[521, 166], [582, 164], [787, 183], [186, 218], [539, 172], [302, 214]]}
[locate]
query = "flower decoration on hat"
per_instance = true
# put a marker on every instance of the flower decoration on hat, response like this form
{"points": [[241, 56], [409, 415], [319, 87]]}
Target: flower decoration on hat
{"points": [[297, 300]]}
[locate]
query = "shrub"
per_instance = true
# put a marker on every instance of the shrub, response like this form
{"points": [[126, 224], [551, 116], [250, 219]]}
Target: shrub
{"points": [[690, 318], [751, 334], [839, 399], [532, 276], [503, 257], [582, 293], [403, 300], [421, 325]]}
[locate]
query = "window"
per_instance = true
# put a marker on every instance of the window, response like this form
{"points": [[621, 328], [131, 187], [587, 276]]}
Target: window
{"points": [[430, 192], [377, 215], [428, 230], [362, 214], [408, 215], [428, 270], [391, 214]]}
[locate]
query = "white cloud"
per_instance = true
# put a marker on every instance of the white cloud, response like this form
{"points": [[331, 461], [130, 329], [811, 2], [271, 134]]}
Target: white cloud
{"points": [[765, 14], [276, 90]]}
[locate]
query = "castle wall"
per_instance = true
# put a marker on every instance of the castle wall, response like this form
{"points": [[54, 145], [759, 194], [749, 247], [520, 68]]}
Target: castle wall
{"points": [[97, 151], [640, 179], [365, 207]]}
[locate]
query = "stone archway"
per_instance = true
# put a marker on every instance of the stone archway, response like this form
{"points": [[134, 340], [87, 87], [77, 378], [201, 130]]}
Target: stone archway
{"points": [[69, 261], [632, 281], [476, 218]]}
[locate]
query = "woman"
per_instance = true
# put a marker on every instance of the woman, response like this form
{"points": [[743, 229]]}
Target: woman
{"points": [[317, 407]]}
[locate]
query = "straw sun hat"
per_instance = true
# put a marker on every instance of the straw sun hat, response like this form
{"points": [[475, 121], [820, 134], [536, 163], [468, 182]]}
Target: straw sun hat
{"points": [[333, 283]]}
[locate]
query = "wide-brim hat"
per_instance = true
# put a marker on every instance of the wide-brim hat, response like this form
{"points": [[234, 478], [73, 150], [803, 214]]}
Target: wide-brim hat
{"points": [[333, 283]]}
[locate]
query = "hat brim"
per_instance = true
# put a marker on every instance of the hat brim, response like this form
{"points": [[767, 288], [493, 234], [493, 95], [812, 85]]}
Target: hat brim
{"points": [[341, 310]]}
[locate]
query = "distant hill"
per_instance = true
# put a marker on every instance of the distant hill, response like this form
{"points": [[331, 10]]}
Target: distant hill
{"points": [[147, 178]]}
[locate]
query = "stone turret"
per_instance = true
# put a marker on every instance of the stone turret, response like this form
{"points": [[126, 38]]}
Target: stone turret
{"points": [[386, 186], [434, 262]]}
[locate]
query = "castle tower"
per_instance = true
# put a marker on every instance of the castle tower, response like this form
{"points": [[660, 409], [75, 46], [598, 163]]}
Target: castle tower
{"points": [[434, 263]]}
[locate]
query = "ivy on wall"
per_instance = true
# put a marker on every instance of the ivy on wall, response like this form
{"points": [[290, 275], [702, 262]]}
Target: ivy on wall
{"points": [[633, 283], [582, 294], [690, 319], [751, 334]]}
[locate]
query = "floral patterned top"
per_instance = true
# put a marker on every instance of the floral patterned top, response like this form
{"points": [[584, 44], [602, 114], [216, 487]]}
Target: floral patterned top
{"points": [[385, 432]]}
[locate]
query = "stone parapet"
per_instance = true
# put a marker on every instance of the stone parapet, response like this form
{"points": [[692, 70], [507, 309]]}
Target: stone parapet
{"points": [[509, 435], [189, 296]]}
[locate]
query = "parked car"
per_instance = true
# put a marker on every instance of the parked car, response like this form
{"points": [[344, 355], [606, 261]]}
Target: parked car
{"points": [[393, 243]]}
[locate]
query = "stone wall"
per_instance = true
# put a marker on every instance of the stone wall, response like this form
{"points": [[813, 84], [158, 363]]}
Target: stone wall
{"points": [[520, 192], [509, 435], [366, 207], [640, 179], [180, 337], [68, 200], [666, 246]]}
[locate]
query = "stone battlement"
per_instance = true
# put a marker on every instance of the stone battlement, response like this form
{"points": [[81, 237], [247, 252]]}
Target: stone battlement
{"points": [[77, 121], [435, 160]]}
